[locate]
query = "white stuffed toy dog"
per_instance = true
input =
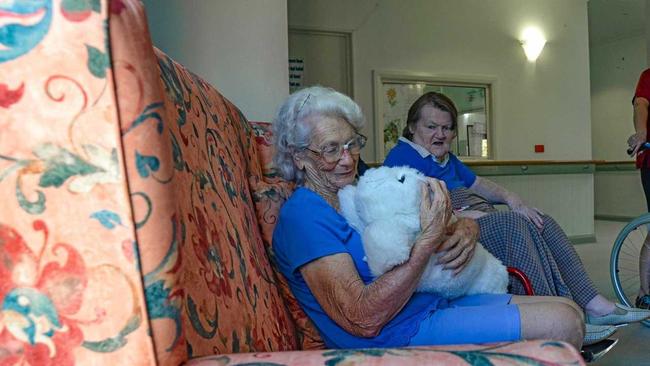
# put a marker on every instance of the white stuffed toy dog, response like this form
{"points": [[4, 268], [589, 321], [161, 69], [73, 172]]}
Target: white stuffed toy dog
{"points": [[385, 208]]}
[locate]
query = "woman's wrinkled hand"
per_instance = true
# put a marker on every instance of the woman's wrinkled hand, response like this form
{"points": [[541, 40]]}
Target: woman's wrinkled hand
{"points": [[458, 248], [532, 213], [435, 212]]}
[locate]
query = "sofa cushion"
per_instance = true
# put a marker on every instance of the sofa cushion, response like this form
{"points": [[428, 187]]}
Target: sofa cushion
{"points": [[269, 194], [208, 282], [524, 353], [66, 238], [269, 198]]}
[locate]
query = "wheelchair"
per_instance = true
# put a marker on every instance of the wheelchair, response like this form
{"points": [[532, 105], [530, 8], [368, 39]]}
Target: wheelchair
{"points": [[624, 260]]}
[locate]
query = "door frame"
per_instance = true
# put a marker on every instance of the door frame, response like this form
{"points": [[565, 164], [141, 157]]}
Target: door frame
{"points": [[347, 38]]}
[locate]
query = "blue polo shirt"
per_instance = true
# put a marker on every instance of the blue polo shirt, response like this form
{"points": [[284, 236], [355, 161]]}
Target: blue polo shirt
{"points": [[309, 228], [452, 171]]}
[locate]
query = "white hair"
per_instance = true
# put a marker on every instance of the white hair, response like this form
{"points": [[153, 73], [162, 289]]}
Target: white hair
{"points": [[292, 132]]}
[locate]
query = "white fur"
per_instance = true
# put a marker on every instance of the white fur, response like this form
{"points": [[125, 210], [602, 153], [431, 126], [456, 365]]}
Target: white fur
{"points": [[385, 208]]}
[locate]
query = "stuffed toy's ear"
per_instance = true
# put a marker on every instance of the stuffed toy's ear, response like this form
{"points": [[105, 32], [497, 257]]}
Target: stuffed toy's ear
{"points": [[349, 208]]}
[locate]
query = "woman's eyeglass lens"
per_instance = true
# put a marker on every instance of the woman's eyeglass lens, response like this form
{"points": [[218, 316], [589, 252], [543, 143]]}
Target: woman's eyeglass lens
{"points": [[333, 153]]}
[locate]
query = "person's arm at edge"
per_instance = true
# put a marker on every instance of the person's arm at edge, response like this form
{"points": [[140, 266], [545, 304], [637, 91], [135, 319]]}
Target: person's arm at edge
{"points": [[494, 192], [497, 194], [640, 118]]}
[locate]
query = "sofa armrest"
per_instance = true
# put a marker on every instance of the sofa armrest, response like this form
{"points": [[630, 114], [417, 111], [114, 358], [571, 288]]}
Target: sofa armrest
{"points": [[513, 353]]}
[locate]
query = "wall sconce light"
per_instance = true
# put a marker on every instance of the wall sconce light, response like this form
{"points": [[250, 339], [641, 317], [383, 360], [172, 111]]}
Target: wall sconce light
{"points": [[533, 41]]}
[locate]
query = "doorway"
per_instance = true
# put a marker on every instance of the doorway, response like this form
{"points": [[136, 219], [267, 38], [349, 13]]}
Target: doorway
{"points": [[323, 58]]}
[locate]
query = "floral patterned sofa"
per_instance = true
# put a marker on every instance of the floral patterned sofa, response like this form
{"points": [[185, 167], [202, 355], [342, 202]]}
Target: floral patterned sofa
{"points": [[129, 233]]}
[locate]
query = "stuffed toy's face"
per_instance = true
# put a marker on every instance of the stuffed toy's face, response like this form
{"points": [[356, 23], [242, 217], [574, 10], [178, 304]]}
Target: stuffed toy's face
{"points": [[383, 193]]}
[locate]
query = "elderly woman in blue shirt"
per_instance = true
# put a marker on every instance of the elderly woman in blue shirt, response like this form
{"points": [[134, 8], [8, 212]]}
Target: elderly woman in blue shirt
{"points": [[523, 237], [317, 143]]}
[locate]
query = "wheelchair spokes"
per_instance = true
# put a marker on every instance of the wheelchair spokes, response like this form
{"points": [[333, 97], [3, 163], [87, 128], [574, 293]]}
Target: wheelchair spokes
{"points": [[624, 260]]}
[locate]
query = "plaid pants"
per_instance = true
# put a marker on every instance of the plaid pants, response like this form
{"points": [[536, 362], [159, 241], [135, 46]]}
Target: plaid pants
{"points": [[547, 257]]}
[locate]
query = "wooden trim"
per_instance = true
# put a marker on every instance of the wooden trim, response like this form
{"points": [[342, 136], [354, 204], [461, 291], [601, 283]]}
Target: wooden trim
{"points": [[582, 239], [616, 166], [522, 162], [522, 167], [619, 218], [534, 169], [527, 162], [532, 162], [610, 162]]}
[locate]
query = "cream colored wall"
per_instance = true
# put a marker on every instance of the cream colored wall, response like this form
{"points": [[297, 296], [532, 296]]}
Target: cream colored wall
{"points": [[568, 198], [242, 50], [615, 69], [240, 47], [619, 194], [546, 102], [543, 103]]}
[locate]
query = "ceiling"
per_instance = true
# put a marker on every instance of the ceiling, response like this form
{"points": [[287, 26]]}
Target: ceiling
{"points": [[615, 19]]}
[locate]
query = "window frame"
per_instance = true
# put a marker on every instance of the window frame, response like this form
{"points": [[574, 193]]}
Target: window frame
{"points": [[383, 77]]}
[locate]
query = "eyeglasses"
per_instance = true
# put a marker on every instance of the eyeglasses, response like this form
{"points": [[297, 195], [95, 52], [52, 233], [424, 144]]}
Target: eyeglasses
{"points": [[333, 152]]}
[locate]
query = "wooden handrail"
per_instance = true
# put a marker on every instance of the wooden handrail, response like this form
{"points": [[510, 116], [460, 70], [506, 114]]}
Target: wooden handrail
{"points": [[529, 162], [534, 162], [613, 162]]}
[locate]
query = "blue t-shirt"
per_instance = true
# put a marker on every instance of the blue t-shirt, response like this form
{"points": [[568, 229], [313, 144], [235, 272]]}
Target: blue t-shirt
{"points": [[454, 173], [309, 228]]}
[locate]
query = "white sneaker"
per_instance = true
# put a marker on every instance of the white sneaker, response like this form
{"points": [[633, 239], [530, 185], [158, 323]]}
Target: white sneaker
{"points": [[597, 333]]}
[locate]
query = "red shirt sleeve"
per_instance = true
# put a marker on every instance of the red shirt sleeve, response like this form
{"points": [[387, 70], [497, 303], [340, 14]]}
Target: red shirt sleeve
{"points": [[643, 86]]}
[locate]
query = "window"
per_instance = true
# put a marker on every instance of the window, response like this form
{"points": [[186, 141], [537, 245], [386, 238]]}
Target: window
{"points": [[399, 91]]}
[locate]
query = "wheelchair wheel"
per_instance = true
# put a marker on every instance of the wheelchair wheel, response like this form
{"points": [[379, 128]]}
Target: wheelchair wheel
{"points": [[624, 260]]}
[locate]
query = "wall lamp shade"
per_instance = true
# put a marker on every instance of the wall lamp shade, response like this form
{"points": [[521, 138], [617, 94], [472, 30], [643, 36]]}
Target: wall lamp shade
{"points": [[533, 41]]}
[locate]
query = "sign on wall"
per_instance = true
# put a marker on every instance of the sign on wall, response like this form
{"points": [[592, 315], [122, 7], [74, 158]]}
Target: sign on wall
{"points": [[296, 74]]}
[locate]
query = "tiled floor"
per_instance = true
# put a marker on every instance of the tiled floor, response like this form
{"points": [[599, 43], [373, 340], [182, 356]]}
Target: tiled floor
{"points": [[633, 347]]}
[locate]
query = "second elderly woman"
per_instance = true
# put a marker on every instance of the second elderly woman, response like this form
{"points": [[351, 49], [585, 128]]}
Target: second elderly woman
{"points": [[524, 237]]}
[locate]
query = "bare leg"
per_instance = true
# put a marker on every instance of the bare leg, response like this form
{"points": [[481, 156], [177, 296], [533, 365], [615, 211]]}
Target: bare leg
{"points": [[549, 317], [536, 299]]}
